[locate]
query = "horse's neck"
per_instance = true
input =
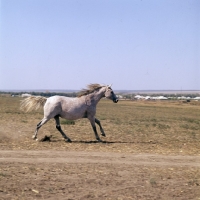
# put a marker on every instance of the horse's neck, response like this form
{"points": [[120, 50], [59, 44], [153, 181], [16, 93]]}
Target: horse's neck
{"points": [[98, 95]]}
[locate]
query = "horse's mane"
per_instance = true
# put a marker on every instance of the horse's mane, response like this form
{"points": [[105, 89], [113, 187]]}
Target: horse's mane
{"points": [[90, 89]]}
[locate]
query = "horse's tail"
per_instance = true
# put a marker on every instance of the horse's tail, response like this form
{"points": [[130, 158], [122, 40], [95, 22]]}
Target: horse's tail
{"points": [[32, 103]]}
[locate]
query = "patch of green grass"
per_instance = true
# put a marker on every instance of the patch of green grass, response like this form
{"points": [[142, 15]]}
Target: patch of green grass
{"points": [[102, 118], [3, 175], [67, 122], [185, 126], [163, 126], [154, 124], [116, 121], [32, 169], [189, 127], [153, 182], [193, 134], [194, 182]]}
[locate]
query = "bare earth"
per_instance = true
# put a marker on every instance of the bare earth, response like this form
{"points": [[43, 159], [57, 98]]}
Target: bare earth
{"points": [[46, 174], [152, 151]]}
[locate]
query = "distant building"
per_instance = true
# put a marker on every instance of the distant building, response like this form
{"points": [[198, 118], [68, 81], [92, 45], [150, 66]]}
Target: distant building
{"points": [[119, 96], [160, 98], [26, 95], [139, 97], [197, 98]]}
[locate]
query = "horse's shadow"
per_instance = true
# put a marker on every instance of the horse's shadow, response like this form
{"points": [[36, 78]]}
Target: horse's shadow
{"points": [[50, 139], [111, 142], [95, 142]]}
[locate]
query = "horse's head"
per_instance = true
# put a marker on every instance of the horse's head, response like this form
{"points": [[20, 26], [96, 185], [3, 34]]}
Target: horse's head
{"points": [[109, 94]]}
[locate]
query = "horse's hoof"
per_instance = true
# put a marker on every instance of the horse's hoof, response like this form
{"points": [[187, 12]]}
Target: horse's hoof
{"points": [[68, 140], [33, 137], [103, 134]]}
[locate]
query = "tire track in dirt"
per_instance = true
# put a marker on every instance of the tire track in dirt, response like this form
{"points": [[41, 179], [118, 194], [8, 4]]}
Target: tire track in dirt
{"points": [[99, 158]]}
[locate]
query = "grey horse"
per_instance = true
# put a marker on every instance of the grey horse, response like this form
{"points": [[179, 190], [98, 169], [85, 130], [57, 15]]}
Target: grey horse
{"points": [[83, 106]]}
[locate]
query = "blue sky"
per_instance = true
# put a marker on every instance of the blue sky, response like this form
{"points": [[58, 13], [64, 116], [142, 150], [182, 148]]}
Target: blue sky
{"points": [[67, 44]]}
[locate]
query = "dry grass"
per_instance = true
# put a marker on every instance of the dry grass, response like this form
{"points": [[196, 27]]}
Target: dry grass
{"points": [[130, 126]]}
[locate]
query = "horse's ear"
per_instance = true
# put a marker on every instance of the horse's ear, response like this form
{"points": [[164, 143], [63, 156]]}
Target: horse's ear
{"points": [[110, 85]]}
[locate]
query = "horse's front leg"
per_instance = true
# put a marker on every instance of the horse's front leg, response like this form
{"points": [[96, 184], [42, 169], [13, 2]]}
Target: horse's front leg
{"points": [[92, 121], [101, 129]]}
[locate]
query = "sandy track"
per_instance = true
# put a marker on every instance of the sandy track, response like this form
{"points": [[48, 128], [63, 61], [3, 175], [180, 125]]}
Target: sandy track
{"points": [[99, 158], [50, 174]]}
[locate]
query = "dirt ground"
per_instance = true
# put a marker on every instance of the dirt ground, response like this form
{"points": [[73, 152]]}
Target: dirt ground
{"points": [[126, 166], [47, 174]]}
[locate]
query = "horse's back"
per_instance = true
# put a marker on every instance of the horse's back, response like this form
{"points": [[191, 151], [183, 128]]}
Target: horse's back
{"points": [[66, 107], [56, 99]]}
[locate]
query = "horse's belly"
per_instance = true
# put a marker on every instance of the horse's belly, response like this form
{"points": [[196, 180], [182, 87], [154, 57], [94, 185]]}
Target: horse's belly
{"points": [[73, 114]]}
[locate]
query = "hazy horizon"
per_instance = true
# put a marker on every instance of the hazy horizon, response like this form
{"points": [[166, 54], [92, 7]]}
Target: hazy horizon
{"points": [[116, 91]]}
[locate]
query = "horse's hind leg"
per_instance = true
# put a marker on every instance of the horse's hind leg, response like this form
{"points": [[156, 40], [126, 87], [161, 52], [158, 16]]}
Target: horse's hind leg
{"points": [[67, 139], [42, 122], [101, 129]]}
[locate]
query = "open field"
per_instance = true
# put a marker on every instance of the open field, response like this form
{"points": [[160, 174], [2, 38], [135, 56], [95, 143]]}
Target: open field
{"points": [[152, 151]]}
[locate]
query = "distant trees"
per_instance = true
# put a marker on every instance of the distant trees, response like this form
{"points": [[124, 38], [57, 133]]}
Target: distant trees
{"points": [[45, 94], [125, 96]]}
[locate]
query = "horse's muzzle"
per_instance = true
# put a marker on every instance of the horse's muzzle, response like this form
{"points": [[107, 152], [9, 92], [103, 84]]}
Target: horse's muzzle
{"points": [[115, 100]]}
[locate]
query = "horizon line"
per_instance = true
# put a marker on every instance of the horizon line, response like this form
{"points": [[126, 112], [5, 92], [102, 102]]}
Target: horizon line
{"points": [[119, 90]]}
